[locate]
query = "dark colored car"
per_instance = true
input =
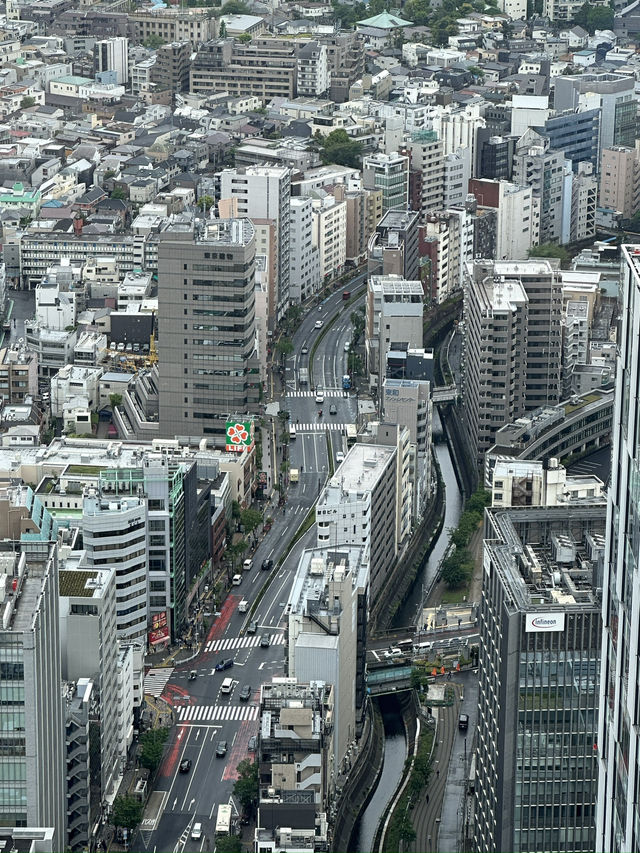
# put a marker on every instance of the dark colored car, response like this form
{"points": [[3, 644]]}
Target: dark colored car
{"points": [[185, 765], [253, 743], [265, 641], [253, 627], [224, 664], [267, 565], [221, 749], [245, 693], [333, 410]]}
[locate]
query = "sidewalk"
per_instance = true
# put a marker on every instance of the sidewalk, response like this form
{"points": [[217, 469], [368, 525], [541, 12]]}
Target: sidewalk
{"points": [[425, 816]]}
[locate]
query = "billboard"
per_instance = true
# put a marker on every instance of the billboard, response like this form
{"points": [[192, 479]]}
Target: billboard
{"points": [[544, 622], [159, 632], [239, 436]]}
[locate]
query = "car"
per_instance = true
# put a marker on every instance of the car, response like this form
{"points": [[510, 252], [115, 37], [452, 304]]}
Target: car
{"points": [[267, 565], [247, 565], [319, 324], [319, 397], [347, 346], [129, 347], [253, 743], [392, 653], [136, 347], [333, 410], [120, 347], [224, 664], [221, 749], [253, 627], [113, 345], [304, 350], [245, 693], [196, 832], [185, 765], [339, 456], [265, 641], [193, 675]]}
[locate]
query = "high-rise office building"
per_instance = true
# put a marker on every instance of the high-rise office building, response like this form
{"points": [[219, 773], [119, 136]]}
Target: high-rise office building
{"points": [[540, 632], [513, 343], [264, 193], [304, 260], [536, 165], [393, 246], [618, 822], [112, 55], [209, 363], [32, 758], [394, 310], [389, 173]]}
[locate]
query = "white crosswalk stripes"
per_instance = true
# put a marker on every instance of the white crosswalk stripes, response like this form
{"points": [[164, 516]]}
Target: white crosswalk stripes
{"points": [[209, 713], [319, 426], [250, 641], [156, 679], [328, 392]]}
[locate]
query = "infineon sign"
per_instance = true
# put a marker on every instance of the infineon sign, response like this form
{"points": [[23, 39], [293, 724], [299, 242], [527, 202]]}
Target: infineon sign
{"points": [[544, 622]]}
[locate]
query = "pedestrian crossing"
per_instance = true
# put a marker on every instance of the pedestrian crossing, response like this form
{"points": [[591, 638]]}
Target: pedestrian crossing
{"points": [[320, 426], [156, 680], [248, 642], [328, 393], [211, 713]]}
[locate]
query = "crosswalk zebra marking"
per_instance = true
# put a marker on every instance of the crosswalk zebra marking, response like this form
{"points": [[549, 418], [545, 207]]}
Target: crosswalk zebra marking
{"points": [[156, 680], [328, 393], [247, 642], [210, 713]]}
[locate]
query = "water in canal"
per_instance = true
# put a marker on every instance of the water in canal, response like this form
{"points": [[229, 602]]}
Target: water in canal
{"points": [[395, 752]]}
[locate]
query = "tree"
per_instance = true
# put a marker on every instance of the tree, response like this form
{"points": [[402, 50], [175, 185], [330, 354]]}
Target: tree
{"points": [[250, 519], [27, 101], [222, 32], [594, 18], [115, 400], [244, 38], [119, 192], [153, 42], [417, 11], [228, 844], [338, 147], [284, 347], [152, 746], [235, 7], [205, 202], [550, 250], [127, 812], [237, 550], [246, 785], [357, 324], [457, 568], [406, 831]]}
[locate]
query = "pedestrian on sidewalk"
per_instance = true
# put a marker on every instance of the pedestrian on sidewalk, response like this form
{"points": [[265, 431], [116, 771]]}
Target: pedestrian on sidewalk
{"points": [[427, 799], [438, 772]]}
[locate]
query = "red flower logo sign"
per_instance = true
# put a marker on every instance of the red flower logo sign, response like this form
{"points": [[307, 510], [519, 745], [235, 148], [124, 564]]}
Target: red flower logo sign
{"points": [[237, 434]]}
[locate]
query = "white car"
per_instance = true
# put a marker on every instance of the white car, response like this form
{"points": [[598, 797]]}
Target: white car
{"points": [[319, 324], [319, 397], [339, 457], [196, 832], [347, 346], [392, 653]]}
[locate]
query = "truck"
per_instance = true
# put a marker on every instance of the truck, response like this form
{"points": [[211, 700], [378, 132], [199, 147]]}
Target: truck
{"points": [[303, 376], [346, 382], [223, 819], [294, 475], [243, 606]]}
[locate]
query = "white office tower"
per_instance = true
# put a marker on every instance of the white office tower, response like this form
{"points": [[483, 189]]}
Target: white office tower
{"points": [[618, 817], [304, 262], [115, 534], [32, 740], [112, 55]]}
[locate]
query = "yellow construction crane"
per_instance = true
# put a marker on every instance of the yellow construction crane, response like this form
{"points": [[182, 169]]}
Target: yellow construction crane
{"points": [[153, 355]]}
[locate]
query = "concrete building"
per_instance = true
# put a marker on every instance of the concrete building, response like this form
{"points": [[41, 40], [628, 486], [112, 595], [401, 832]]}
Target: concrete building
{"points": [[173, 24], [358, 506], [329, 223], [326, 636], [457, 172], [518, 216], [389, 173], [584, 203], [264, 193], [81, 762], [33, 758], [537, 166], [18, 373], [313, 72], [172, 67], [531, 483], [89, 649], [393, 246], [540, 635], [513, 344], [620, 180], [304, 261], [77, 385], [618, 743], [394, 310], [115, 531], [112, 55], [232, 387], [427, 160], [364, 211], [452, 233]]}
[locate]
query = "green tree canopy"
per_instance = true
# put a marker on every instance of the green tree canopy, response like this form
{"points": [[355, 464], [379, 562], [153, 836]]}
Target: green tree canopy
{"points": [[205, 202], [119, 192], [338, 147], [284, 347], [153, 42], [152, 746], [246, 785], [418, 11], [549, 250], [594, 18], [457, 568], [228, 844], [27, 101], [115, 400], [250, 519], [235, 7], [127, 811]]}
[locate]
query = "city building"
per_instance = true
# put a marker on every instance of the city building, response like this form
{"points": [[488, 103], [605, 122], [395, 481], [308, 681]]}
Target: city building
{"points": [[539, 693], [364, 212], [304, 262], [427, 163], [513, 344], [313, 72], [531, 483], [82, 762], [324, 640], [450, 234], [612, 92], [584, 203], [393, 246], [518, 216], [33, 756], [18, 373], [329, 223], [618, 742], [358, 507], [220, 383], [575, 133], [264, 193], [394, 310], [536, 165], [112, 55], [620, 180], [172, 67], [389, 173], [171, 23]]}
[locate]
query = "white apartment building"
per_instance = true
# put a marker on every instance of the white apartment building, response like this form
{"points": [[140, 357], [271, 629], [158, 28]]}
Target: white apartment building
{"points": [[453, 231], [314, 72], [114, 533], [457, 127], [427, 156], [73, 382], [142, 76], [112, 55], [519, 482], [304, 263], [457, 171], [518, 217], [329, 236], [394, 311]]}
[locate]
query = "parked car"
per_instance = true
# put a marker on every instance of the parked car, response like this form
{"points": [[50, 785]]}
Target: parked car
{"points": [[221, 749], [245, 693], [185, 765], [224, 664], [253, 743], [253, 627], [339, 456], [265, 641]]}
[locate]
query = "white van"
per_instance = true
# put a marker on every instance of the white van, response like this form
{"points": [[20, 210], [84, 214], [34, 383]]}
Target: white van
{"points": [[292, 431], [196, 832], [227, 685], [236, 580]]}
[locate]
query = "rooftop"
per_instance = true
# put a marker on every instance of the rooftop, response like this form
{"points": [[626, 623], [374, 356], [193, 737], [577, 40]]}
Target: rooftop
{"points": [[362, 467]]}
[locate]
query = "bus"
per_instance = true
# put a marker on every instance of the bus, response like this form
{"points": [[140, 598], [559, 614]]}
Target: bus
{"points": [[352, 434], [223, 820]]}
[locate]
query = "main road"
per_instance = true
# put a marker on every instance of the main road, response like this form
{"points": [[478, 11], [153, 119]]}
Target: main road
{"points": [[205, 716]]}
